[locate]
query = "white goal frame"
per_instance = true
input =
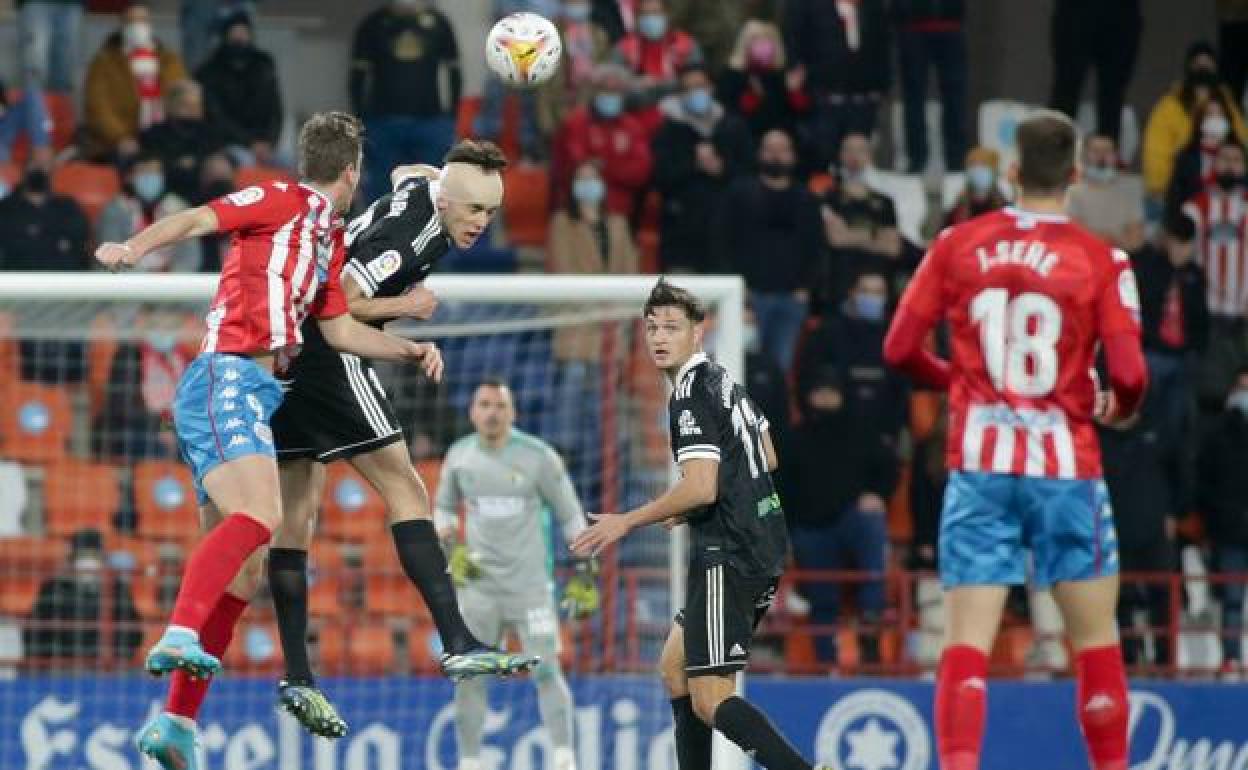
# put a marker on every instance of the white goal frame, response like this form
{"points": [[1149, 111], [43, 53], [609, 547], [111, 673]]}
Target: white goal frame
{"points": [[724, 295]]}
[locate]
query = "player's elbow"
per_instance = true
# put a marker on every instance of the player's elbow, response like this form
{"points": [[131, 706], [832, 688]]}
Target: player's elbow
{"points": [[897, 350]]}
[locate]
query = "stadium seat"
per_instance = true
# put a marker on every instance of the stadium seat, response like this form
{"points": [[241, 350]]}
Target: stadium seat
{"points": [[430, 472], [390, 594], [253, 175], [356, 649], [79, 495], [102, 348], [256, 648], [819, 183], [423, 649], [164, 499], [326, 573], [526, 207], [24, 563], [35, 422], [352, 509], [92, 185], [19, 594]]}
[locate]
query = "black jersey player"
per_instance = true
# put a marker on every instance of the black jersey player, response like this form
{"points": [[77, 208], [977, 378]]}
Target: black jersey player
{"points": [[738, 539], [335, 408]]}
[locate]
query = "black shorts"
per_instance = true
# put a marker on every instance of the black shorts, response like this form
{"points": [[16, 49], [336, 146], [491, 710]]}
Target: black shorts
{"points": [[333, 409], [722, 609]]}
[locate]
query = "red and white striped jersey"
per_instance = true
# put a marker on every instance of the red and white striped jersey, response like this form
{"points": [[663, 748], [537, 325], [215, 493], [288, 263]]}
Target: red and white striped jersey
{"points": [[1221, 219], [283, 264], [1027, 298]]}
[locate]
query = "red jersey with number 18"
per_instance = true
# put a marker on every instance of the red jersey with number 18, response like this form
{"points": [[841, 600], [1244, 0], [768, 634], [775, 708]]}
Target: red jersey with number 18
{"points": [[1027, 298], [283, 263]]}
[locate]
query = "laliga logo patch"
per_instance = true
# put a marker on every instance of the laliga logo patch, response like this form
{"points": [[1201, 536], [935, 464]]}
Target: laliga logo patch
{"points": [[384, 266], [873, 730], [246, 196]]}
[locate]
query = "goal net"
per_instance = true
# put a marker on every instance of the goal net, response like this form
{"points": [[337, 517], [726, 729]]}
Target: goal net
{"points": [[97, 516]]}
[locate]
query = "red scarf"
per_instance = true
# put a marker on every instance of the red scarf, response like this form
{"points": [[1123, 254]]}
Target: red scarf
{"points": [[158, 377], [145, 67]]}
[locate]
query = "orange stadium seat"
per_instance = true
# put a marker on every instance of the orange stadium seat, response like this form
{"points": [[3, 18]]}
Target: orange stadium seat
{"points": [[24, 563], [357, 648], [35, 422], [164, 498], [79, 495], [252, 175], [255, 649], [423, 649], [92, 185], [19, 594], [390, 594], [326, 574], [819, 183], [101, 350], [352, 509], [526, 207], [430, 472]]}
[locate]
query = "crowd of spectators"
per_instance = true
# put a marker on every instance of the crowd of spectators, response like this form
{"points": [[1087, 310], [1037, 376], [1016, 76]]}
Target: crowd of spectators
{"points": [[691, 136]]}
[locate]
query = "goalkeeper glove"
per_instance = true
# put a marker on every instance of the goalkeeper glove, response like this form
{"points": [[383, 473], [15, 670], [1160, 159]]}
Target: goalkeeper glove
{"points": [[463, 567], [580, 595]]}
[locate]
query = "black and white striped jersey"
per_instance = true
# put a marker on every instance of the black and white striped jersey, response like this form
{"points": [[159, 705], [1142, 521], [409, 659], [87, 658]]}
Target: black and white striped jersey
{"points": [[392, 246], [712, 417]]}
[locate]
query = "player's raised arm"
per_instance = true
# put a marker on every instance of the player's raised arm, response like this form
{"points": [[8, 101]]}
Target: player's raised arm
{"points": [[191, 223], [349, 335], [417, 302], [921, 307]]}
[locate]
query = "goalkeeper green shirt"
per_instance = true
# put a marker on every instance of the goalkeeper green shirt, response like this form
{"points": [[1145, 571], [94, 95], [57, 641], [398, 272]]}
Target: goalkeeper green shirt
{"points": [[503, 494]]}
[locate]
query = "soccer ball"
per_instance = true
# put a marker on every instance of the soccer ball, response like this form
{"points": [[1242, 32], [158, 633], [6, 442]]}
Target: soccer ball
{"points": [[524, 50]]}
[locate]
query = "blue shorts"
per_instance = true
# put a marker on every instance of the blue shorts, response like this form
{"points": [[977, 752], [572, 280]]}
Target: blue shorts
{"points": [[221, 412], [990, 519]]}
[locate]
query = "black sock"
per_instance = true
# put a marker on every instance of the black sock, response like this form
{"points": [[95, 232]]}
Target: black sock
{"points": [[421, 555], [750, 729], [693, 736], [288, 582]]}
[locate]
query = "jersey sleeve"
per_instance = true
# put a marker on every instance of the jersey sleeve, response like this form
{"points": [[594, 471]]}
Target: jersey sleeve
{"points": [[924, 296], [1118, 307], [557, 491], [330, 301], [385, 241], [694, 425], [446, 503], [257, 208]]}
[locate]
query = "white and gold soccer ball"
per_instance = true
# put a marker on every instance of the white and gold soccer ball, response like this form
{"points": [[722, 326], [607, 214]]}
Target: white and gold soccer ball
{"points": [[524, 50]]}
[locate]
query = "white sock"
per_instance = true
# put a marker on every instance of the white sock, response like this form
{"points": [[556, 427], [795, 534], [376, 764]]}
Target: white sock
{"points": [[183, 630]]}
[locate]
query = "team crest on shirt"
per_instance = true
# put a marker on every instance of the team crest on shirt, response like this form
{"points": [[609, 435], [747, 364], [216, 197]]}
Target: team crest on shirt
{"points": [[687, 424], [246, 196], [382, 267]]}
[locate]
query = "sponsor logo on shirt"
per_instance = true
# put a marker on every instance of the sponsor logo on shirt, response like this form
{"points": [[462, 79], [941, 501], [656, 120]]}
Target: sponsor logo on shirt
{"points": [[688, 425], [382, 267]]}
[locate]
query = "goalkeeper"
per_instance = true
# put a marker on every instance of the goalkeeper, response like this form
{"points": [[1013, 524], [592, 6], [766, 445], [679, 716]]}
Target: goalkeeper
{"points": [[504, 478]]}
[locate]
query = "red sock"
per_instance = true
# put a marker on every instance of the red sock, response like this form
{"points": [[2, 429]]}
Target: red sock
{"points": [[213, 564], [961, 699], [186, 694], [1101, 698]]}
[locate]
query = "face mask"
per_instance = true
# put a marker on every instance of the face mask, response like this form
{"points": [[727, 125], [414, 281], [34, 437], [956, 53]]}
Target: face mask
{"points": [[579, 12], [162, 342], [749, 338], [869, 307], [761, 54], [698, 101], [1100, 174], [1239, 400], [980, 178], [652, 26], [608, 105], [137, 35], [775, 169], [589, 190], [37, 181], [1228, 180], [1214, 128], [149, 186]]}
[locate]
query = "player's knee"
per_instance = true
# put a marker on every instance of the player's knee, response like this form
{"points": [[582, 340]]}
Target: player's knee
{"points": [[298, 527], [405, 496], [673, 675], [705, 704]]}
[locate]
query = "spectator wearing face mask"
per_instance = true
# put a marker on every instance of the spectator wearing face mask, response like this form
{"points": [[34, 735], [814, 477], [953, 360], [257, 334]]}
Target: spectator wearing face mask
{"points": [[698, 151], [1223, 501], [982, 192], [65, 621], [126, 85], [183, 139], [241, 94], [1105, 201], [138, 399], [655, 52], [40, 230], [756, 86], [602, 131], [142, 200], [1193, 167], [1170, 125], [767, 231], [585, 239], [1220, 212], [859, 223]]}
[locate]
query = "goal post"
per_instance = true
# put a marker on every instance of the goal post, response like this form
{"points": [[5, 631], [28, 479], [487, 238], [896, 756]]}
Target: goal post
{"points": [[608, 412]]}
